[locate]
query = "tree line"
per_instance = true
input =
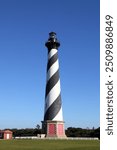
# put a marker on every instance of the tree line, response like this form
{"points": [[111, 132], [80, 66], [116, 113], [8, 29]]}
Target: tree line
{"points": [[79, 132], [70, 132]]}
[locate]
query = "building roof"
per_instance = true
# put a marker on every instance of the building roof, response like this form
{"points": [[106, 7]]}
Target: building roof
{"points": [[6, 131]]}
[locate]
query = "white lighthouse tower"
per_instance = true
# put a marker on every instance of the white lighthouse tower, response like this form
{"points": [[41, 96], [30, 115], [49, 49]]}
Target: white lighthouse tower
{"points": [[53, 124]]}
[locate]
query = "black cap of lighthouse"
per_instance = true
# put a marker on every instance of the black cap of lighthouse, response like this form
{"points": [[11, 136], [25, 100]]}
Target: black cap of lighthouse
{"points": [[53, 118], [52, 41]]}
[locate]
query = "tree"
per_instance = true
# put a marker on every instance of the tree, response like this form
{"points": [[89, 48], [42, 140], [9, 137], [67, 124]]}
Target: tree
{"points": [[38, 126]]}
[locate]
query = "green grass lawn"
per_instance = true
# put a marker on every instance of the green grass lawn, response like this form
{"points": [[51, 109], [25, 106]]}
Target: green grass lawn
{"points": [[49, 145]]}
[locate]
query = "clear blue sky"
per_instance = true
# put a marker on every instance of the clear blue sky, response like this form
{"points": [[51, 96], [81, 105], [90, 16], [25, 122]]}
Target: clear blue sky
{"points": [[24, 28]]}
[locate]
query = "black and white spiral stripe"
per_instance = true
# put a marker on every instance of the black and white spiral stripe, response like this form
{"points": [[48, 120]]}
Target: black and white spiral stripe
{"points": [[53, 107]]}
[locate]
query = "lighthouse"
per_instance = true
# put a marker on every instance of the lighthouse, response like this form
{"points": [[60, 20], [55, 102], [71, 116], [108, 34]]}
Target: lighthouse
{"points": [[53, 124]]}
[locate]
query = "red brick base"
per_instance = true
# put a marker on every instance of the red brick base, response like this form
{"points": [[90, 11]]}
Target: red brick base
{"points": [[55, 129]]}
